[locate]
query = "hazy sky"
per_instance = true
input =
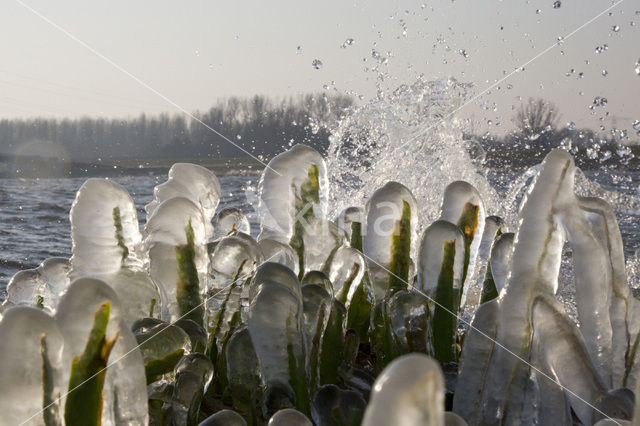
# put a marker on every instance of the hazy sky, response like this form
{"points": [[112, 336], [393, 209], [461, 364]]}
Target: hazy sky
{"points": [[197, 51]]}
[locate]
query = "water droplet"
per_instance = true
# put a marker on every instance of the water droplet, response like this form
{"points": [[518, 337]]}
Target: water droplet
{"points": [[636, 125], [463, 53], [560, 40], [538, 11], [615, 28], [347, 42], [571, 126], [317, 64], [298, 50], [599, 101], [489, 122], [580, 75], [638, 67], [557, 4], [605, 73]]}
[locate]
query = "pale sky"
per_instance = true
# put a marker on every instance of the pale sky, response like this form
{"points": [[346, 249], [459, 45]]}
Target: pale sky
{"points": [[195, 52]]}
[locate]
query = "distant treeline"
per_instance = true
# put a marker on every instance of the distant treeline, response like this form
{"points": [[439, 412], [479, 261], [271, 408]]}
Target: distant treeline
{"points": [[261, 125]]}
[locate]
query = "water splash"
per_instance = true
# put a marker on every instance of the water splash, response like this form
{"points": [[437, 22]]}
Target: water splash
{"points": [[410, 136]]}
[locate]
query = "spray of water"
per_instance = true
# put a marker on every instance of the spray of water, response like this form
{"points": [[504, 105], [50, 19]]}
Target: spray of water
{"points": [[406, 136]]}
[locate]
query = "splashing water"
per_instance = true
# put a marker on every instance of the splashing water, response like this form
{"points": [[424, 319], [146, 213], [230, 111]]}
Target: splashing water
{"points": [[409, 136]]}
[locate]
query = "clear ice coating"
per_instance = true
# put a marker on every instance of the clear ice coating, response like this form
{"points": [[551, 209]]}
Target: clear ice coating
{"points": [[346, 273], [125, 391], [195, 183], [348, 217], [231, 264], [161, 344], [168, 229], [281, 188], [316, 308], [493, 226], [410, 322], [463, 206], [275, 325], [40, 287], [384, 211], [289, 417], [228, 220], [500, 259], [243, 372], [431, 255], [279, 252], [408, 392], [530, 323], [321, 240], [193, 373], [104, 230], [107, 244], [224, 418], [31, 341], [332, 405]]}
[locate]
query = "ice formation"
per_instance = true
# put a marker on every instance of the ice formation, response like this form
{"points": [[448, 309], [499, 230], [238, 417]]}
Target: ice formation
{"points": [[125, 392], [40, 287], [463, 206], [350, 220], [193, 373], [107, 244], [529, 324], [224, 418], [289, 417], [195, 183], [387, 212], [104, 230], [332, 405], [500, 259], [408, 392], [432, 252], [228, 220], [178, 262], [32, 343], [297, 324], [275, 326], [161, 344], [293, 184], [231, 265]]}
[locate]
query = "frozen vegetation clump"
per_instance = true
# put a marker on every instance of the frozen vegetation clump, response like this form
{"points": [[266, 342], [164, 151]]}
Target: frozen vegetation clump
{"points": [[380, 317]]}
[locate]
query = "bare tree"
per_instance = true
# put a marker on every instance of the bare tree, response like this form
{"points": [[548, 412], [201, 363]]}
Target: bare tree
{"points": [[536, 117]]}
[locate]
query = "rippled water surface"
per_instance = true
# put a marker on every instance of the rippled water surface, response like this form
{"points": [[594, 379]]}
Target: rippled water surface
{"points": [[34, 215]]}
